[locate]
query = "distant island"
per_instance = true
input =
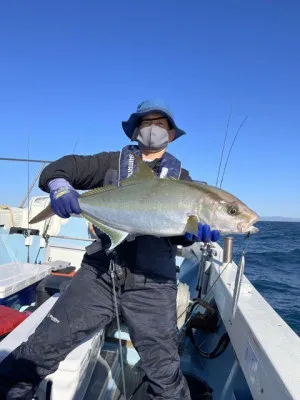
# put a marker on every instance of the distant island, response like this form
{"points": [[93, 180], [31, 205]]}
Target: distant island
{"points": [[280, 219]]}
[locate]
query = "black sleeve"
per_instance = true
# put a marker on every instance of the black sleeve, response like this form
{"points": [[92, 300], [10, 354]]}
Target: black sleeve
{"points": [[82, 172], [180, 241], [185, 176]]}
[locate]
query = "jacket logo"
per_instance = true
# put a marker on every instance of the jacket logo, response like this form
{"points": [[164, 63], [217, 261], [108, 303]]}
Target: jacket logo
{"points": [[164, 172], [130, 165], [53, 318]]}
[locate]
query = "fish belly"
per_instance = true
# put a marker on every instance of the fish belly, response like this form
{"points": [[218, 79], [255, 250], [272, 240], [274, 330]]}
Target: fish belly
{"points": [[140, 222], [151, 208]]}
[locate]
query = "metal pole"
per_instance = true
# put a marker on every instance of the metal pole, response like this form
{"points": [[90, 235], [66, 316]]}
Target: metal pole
{"points": [[71, 238], [204, 255], [32, 185], [24, 160], [228, 250], [237, 284]]}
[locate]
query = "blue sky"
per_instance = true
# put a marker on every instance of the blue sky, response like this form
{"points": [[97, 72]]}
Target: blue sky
{"points": [[71, 71]]}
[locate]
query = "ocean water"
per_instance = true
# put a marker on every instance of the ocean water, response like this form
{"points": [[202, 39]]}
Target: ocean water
{"points": [[273, 266]]}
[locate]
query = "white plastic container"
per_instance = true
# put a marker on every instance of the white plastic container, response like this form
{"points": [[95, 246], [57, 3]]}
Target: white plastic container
{"points": [[71, 379], [16, 276]]}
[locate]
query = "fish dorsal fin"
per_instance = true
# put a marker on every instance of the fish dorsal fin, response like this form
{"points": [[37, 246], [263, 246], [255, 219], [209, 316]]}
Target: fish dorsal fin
{"points": [[97, 190], [143, 173]]}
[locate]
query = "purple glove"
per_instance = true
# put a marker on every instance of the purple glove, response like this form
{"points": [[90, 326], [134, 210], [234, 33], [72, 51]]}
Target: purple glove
{"points": [[64, 198], [204, 234]]}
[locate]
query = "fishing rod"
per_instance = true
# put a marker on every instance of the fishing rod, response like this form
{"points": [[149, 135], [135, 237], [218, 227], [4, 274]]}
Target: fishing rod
{"points": [[236, 135], [28, 193], [224, 142], [76, 143]]}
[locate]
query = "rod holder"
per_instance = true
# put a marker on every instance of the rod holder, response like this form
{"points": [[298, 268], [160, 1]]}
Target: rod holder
{"points": [[228, 249]]}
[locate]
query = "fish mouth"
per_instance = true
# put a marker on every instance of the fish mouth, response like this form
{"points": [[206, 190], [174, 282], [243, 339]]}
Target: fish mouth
{"points": [[252, 230], [247, 227]]}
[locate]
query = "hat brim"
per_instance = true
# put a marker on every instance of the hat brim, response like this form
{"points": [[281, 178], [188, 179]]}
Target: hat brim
{"points": [[133, 121]]}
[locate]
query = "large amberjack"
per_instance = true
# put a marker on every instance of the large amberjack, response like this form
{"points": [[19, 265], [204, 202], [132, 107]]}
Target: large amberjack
{"points": [[147, 205]]}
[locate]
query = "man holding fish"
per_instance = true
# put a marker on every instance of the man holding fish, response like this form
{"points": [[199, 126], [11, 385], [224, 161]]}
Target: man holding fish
{"points": [[142, 204]]}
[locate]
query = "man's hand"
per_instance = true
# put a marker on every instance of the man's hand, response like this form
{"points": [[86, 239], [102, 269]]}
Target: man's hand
{"points": [[204, 234], [64, 198], [91, 231]]}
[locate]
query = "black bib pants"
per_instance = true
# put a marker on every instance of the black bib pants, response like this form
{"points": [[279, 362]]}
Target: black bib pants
{"points": [[146, 301]]}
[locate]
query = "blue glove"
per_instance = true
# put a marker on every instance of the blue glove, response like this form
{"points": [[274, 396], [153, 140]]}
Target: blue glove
{"points": [[64, 198], [204, 234]]}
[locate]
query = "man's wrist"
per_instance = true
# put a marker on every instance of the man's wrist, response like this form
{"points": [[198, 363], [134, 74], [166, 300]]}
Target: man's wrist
{"points": [[58, 183]]}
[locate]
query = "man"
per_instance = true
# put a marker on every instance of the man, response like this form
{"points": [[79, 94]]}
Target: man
{"points": [[146, 284]]}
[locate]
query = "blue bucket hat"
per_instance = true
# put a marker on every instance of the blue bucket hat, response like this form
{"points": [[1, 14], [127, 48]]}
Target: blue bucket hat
{"points": [[147, 107]]}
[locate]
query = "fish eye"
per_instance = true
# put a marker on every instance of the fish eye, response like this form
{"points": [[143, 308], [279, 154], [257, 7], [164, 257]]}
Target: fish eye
{"points": [[232, 210]]}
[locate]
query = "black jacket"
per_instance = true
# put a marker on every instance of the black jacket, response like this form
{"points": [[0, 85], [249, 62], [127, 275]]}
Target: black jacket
{"points": [[85, 172], [88, 172]]}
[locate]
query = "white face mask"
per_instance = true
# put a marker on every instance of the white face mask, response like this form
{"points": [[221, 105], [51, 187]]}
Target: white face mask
{"points": [[152, 138]]}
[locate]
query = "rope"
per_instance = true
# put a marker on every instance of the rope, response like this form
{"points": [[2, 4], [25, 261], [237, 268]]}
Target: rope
{"points": [[112, 274], [8, 249], [5, 207]]}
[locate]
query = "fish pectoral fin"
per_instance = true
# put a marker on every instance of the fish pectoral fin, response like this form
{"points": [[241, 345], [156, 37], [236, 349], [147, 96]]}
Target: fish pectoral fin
{"points": [[143, 173], [116, 236], [192, 225]]}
